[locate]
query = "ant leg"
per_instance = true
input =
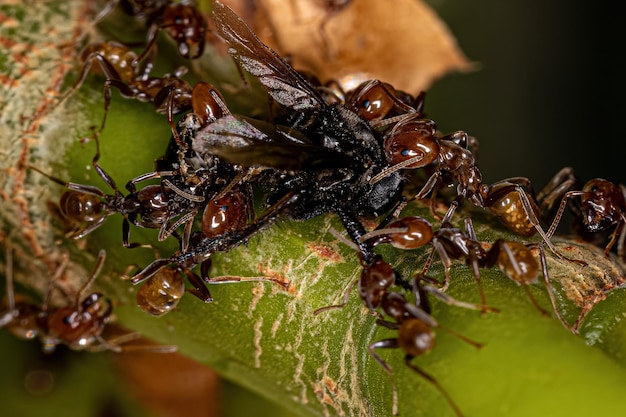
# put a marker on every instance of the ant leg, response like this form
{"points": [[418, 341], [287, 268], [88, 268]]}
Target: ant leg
{"points": [[12, 313], [386, 344], [474, 264], [559, 213], [622, 237], [560, 183], [618, 232], [101, 172], [149, 270], [445, 260], [94, 275], [232, 279], [453, 301], [51, 285], [428, 377], [199, 289], [343, 302], [528, 209]]}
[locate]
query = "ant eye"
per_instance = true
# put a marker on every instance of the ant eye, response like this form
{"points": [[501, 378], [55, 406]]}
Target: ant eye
{"points": [[365, 104]]}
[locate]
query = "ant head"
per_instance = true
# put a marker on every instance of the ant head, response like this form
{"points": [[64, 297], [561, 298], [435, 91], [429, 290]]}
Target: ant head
{"points": [[187, 27], [414, 139], [602, 203]]}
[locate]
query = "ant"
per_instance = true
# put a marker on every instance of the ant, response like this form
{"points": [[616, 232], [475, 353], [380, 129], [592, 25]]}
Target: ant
{"points": [[415, 143], [602, 206], [170, 94], [415, 325], [182, 21], [84, 208], [327, 149], [374, 100], [230, 234], [514, 259], [78, 325]]}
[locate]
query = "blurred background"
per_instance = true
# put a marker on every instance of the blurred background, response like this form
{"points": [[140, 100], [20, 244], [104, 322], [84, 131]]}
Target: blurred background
{"points": [[550, 90], [548, 94]]}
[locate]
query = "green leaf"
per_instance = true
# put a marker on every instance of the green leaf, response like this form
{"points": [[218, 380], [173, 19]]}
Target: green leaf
{"points": [[260, 335]]}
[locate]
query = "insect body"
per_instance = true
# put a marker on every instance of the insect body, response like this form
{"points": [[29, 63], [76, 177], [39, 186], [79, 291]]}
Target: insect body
{"points": [[325, 148]]}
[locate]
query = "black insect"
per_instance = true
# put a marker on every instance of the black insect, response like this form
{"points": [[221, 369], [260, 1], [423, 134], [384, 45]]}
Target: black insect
{"points": [[327, 150]]}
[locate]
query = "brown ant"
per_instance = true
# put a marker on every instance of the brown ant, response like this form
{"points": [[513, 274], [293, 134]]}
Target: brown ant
{"points": [[415, 143], [84, 208], [78, 325], [514, 259], [602, 206], [230, 234], [415, 336], [375, 100], [170, 94], [182, 21]]}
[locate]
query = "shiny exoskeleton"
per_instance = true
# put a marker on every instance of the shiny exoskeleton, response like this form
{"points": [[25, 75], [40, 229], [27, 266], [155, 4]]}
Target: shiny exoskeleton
{"points": [[326, 152], [415, 143], [415, 336], [182, 21], [601, 207], [84, 208]]}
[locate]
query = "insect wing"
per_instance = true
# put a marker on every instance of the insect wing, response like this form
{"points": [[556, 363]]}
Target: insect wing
{"points": [[280, 80], [240, 142]]}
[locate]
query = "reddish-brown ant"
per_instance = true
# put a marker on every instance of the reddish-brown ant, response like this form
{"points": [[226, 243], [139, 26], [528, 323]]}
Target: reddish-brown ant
{"points": [[415, 143], [602, 206], [170, 94], [84, 208], [180, 19], [78, 325], [415, 336], [514, 259], [375, 100]]}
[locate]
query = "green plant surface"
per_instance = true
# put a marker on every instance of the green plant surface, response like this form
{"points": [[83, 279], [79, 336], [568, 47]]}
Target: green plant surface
{"points": [[266, 338]]}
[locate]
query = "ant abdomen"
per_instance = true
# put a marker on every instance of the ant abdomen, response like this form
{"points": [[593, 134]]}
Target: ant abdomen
{"points": [[410, 232], [122, 59], [82, 207], [415, 337], [509, 209], [516, 260], [24, 321], [161, 292], [227, 213]]}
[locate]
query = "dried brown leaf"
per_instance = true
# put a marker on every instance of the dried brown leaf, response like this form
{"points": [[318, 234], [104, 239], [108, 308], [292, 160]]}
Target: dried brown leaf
{"points": [[406, 44]]}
